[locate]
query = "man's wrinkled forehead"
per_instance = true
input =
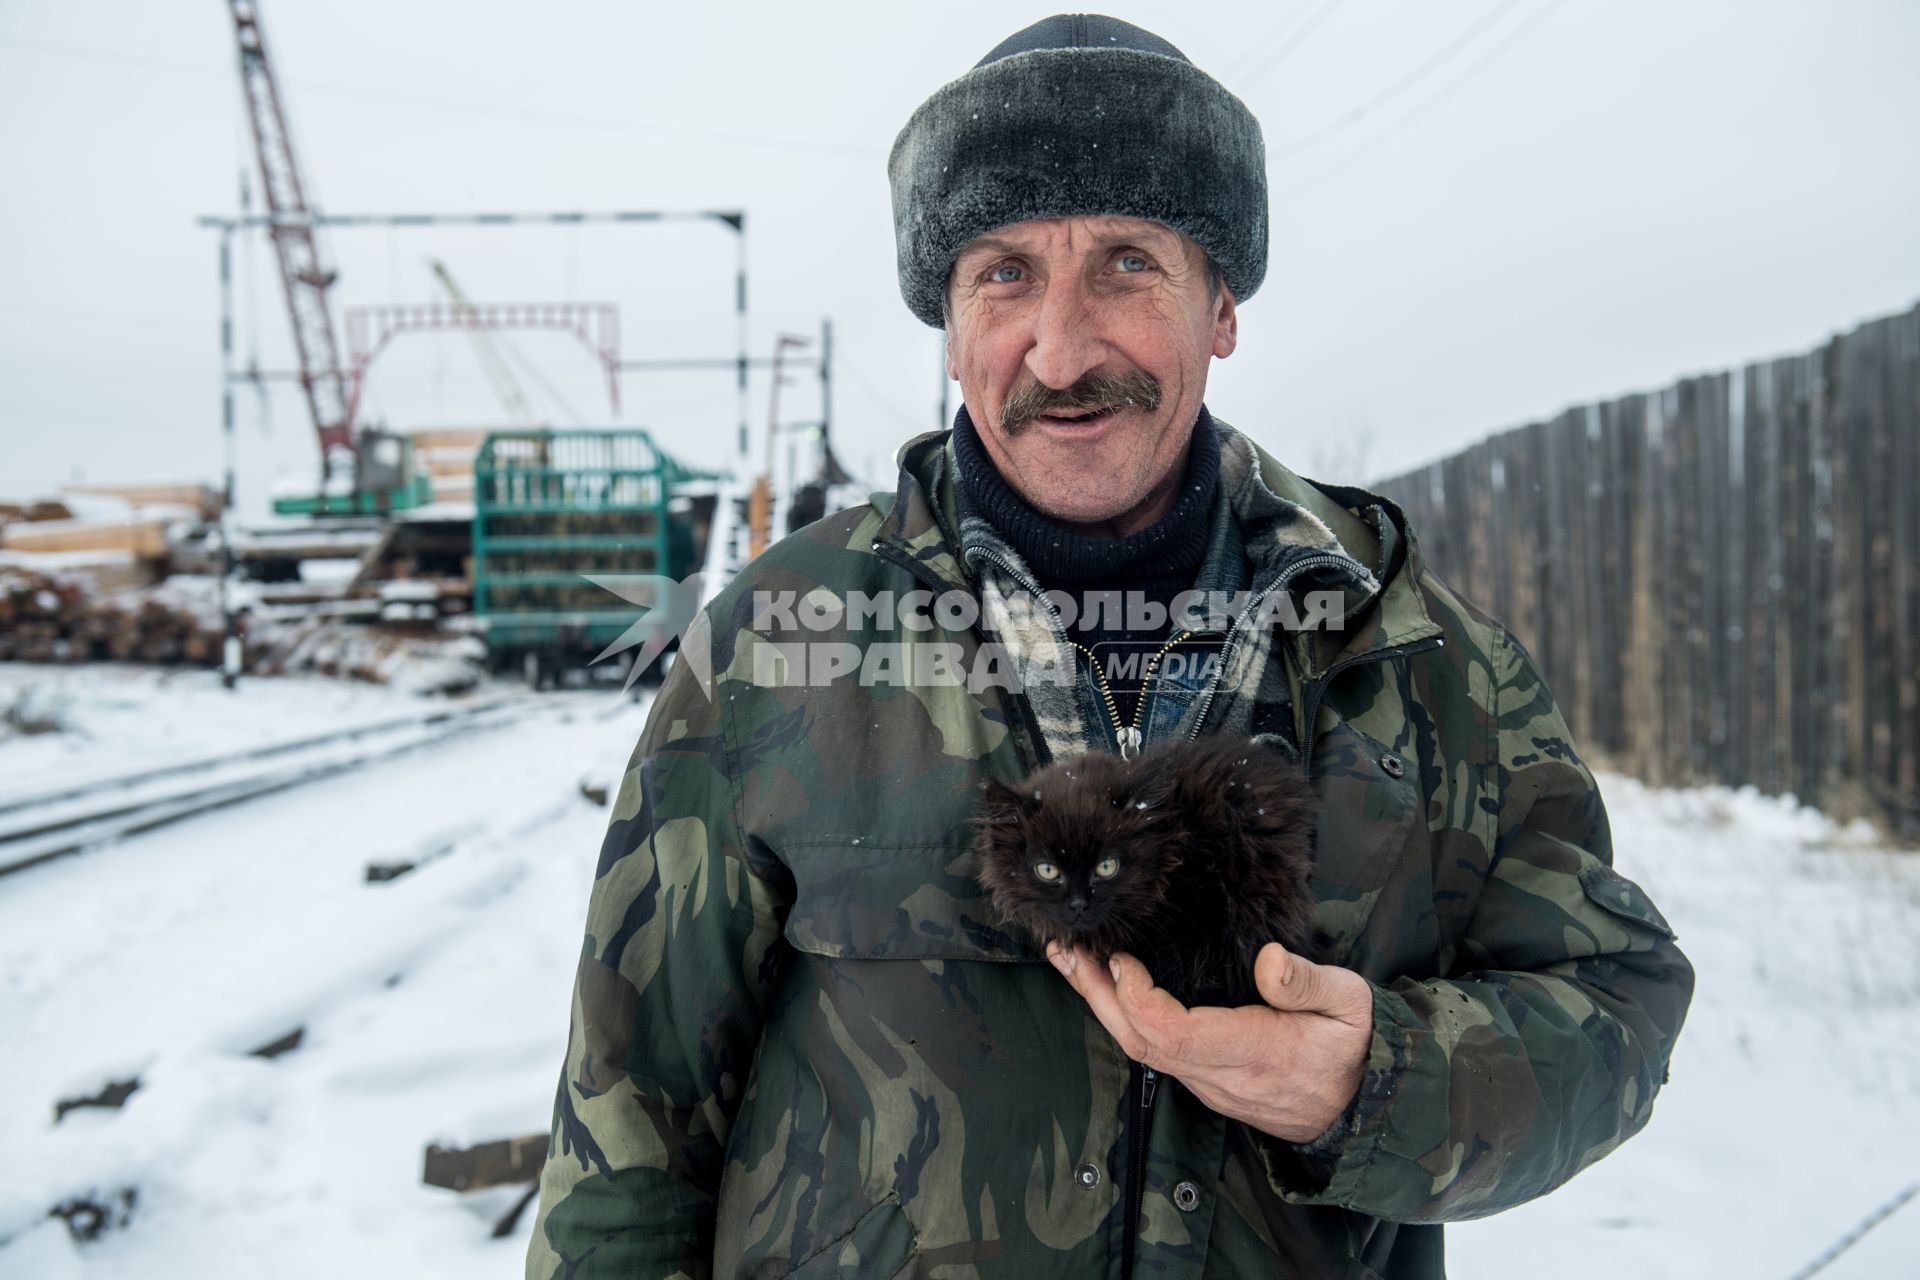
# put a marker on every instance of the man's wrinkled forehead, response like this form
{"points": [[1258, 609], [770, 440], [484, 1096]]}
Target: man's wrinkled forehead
{"points": [[1079, 234]]}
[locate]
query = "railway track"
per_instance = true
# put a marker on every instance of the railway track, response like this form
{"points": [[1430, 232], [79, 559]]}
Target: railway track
{"points": [[36, 827]]}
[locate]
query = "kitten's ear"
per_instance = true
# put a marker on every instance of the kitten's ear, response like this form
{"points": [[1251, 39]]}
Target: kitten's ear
{"points": [[1001, 803]]}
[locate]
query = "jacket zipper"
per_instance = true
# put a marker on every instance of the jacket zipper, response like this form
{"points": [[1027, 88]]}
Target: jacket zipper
{"points": [[1317, 687], [1238, 629], [1146, 1081]]}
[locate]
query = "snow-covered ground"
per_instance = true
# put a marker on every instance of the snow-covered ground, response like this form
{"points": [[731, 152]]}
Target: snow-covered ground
{"points": [[1794, 1105], [434, 1009], [123, 718]]}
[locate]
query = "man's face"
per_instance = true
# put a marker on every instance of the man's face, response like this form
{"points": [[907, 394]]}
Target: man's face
{"points": [[1112, 314]]}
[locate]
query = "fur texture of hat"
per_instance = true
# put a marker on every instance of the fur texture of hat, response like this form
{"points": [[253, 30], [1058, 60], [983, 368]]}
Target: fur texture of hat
{"points": [[1078, 115]]}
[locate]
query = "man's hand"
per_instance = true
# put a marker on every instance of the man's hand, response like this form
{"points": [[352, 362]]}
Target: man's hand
{"points": [[1288, 1070]]}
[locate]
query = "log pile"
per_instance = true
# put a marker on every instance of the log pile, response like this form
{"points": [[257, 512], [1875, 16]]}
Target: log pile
{"points": [[444, 661], [60, 618], [65, 617]]}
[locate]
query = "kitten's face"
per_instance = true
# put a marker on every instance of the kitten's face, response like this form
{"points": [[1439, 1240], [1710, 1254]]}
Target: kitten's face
{"points": [[1077, 854]]}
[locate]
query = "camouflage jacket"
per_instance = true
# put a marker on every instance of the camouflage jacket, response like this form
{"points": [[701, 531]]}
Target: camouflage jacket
{"points": [[801, 1046]]}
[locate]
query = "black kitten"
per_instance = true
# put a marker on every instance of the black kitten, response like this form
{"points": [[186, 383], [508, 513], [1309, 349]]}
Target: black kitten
{"points": [[1191, 857]]}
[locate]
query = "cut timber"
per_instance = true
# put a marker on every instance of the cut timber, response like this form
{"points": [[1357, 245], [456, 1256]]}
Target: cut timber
{"points": [[490, 1164], [137, 537], [202, 498], [61, 619], [34, 509], [445, 455]]}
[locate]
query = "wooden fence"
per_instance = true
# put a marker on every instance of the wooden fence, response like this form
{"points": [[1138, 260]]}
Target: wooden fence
{"points": [[1720, 580]]}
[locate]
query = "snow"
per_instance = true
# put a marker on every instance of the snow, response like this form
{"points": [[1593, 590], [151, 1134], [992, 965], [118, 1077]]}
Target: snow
{"points": [[51, 562], [1794, 1105], [123, 718], [435, 1007]]}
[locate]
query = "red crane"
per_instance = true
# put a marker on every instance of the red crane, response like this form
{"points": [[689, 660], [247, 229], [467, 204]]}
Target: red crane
{"points": [[302, 271]]}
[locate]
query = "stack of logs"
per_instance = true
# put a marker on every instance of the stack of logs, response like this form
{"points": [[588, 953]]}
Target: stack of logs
{"points": [[46, 618]]}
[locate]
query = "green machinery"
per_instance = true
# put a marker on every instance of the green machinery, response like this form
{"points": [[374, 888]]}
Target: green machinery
{"points": [[383, 480], [553, 506]]}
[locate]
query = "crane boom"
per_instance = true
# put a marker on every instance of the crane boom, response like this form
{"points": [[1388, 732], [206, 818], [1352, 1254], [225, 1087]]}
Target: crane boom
{"points": [[302, 271], [505, 385]]}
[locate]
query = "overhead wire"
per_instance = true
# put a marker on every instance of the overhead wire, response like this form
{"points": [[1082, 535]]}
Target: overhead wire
{"points": [[1292, 41], [533, 370], [1354, 115], [871, 389], [571, 119], [1425, 105]]}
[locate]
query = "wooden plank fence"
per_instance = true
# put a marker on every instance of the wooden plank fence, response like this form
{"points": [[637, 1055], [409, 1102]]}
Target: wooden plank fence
{"points": [[1720, 579]]}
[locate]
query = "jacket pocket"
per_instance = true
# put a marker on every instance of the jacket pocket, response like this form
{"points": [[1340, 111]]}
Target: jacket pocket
{"points": [[879, 1245], [1621, 897], [1370, 818], [858, 900]]}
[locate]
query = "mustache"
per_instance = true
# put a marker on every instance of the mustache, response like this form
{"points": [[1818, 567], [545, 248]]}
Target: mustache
{"points": [[1091, 391]]}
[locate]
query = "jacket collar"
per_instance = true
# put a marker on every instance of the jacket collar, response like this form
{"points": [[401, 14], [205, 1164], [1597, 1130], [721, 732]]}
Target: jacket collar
{"points": [[1358, 541]]}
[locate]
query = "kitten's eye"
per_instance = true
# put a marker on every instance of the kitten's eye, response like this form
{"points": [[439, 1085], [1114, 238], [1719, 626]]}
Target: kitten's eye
{"points": [[1106, 868], [1046, 871]]}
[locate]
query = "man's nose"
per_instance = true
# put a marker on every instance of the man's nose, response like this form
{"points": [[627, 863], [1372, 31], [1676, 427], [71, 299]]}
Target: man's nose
{"points": [[1066, 340]]}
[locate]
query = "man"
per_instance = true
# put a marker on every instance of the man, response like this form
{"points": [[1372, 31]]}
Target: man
{"points": [[801, 1043]]}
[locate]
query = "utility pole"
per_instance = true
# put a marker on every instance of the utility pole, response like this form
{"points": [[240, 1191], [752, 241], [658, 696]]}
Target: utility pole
{"points": [[945, 419], [765, 504], [826, 383]]}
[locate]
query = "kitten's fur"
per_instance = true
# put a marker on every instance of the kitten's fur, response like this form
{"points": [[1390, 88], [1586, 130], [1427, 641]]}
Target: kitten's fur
{"points": [[1212, 841]]}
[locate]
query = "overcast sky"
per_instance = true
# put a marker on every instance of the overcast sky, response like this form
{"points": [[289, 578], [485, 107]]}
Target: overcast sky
{"points": [[1482, 211]]}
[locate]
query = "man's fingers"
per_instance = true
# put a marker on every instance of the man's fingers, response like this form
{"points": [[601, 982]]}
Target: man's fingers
{"points": [[1274, 975], [1152, 1009], [1095, 984], [1139, 1016], [1064, 960], [1296, 984]]}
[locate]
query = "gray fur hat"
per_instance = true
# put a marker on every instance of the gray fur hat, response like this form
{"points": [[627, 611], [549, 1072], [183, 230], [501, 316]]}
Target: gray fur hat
{"points": [[1078, 115]]}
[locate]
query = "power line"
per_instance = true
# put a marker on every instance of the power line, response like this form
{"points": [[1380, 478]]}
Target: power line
{"points": [[872, 391], [1293, 40], [1354, 115], [533, 370], [1421, 108], [1852, 1237], [534, 115], [1252, 52]]}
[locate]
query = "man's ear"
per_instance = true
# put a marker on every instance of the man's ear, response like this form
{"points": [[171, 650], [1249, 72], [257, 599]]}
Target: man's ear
{"points": [[953, 370], [1226, 325]]}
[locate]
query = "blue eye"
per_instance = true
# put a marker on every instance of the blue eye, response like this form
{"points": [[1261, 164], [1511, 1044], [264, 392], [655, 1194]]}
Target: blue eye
{"points": [[1131, 263], [999, 274]]}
